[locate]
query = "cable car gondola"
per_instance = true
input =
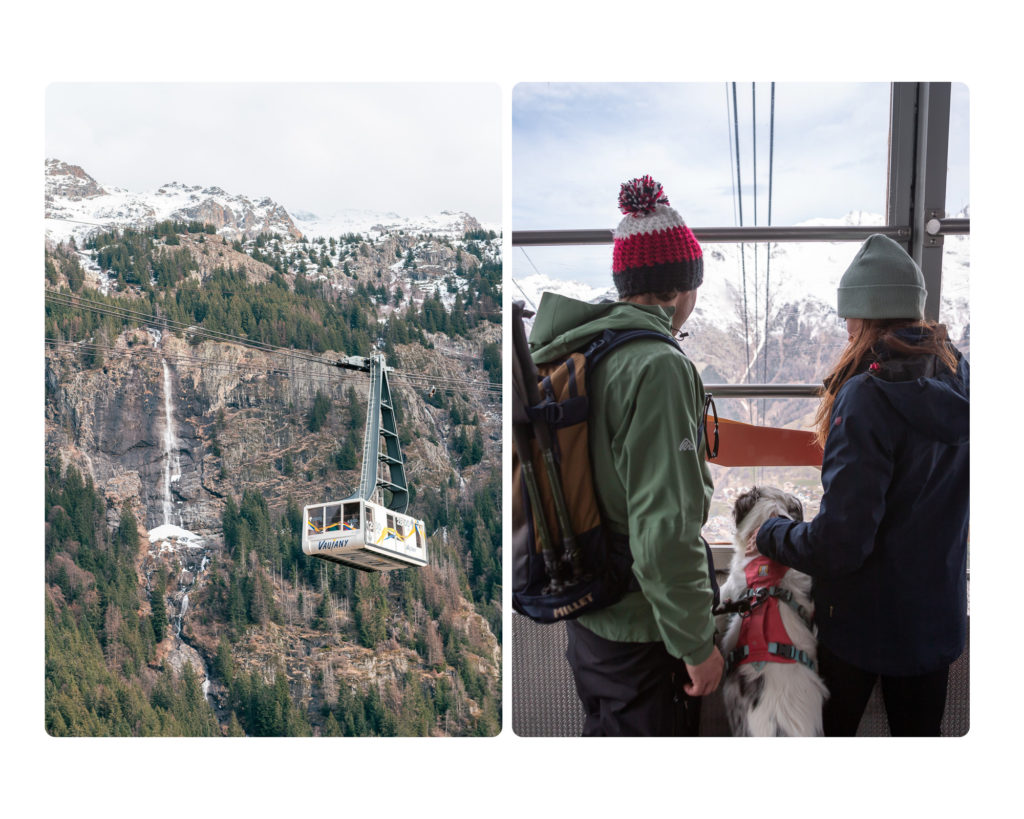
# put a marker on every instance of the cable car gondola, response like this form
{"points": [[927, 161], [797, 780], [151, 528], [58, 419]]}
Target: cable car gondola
{"points": [[365, 535], [359, 531]]}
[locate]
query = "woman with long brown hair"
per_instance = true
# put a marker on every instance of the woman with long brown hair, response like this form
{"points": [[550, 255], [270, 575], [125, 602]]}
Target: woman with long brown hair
{"points": [[887, 549]]}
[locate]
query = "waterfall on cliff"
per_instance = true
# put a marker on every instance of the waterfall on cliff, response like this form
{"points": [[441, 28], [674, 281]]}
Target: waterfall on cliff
{"points": [[172, 463], [181, 614], [173, 544]]}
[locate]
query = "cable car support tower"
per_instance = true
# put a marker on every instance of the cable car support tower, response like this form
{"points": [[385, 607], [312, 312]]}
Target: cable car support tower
{"points": [[370, 530], [380, 425]]}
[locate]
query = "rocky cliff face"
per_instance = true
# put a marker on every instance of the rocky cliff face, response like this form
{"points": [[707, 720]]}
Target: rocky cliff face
{"points": [[239, 216], [237, 413], [66, 181]]}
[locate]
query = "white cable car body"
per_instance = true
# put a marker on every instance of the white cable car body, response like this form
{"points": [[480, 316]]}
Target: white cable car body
{"points": [[359, 531], [363, 535]]}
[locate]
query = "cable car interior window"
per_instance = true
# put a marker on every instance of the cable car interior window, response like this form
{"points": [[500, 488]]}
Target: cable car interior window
{"points": [[332, 519], [352, 520], [315, 524]]}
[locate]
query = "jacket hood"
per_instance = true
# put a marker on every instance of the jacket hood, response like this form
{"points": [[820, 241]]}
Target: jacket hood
{"points": [[926, 394], [563, 325]]}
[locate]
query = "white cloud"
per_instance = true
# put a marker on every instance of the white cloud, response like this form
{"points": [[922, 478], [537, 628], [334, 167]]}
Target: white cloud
{"points": [[404, 147]]}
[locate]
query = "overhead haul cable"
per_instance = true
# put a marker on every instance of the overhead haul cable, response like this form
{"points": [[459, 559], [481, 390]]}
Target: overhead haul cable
{"points": [[768, 265], [213, 335], [449, 385], [739, 198], [446, 383], [117, 311], [753, 142]]}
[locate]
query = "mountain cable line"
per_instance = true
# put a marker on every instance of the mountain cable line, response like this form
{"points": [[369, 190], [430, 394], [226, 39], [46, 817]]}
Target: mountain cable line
{"points": [[213, 335], [445, 383], [68, 300]]}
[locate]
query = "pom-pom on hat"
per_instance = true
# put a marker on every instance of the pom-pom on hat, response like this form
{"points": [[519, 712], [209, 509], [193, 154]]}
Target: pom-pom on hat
{"points": [[655, 252], [882, 282]]}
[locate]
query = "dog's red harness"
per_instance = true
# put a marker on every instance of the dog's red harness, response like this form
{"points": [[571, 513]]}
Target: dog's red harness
{"points": [[764, 624], [763, 636]]}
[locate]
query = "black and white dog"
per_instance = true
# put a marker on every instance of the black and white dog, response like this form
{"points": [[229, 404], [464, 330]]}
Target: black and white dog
{"points": [[771, 685]]}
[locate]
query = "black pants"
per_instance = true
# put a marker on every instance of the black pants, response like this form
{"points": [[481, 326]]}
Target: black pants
{"points": [[630, 689], [913, 705]]}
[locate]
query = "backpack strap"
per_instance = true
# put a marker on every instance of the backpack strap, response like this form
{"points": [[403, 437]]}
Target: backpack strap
{"points": [[594, 353], [610, 339], [573, 410]]}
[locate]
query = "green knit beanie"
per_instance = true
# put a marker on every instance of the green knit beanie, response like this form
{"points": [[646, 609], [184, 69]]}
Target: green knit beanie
{"points": [[882, 282]]}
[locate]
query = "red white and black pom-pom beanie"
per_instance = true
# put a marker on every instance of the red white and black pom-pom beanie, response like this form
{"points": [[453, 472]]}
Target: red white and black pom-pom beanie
{"points": [[655, 252]]}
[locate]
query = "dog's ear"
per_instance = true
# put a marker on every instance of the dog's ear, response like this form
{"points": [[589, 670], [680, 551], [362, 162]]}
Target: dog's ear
{"points": [[744, 503], [795, 508]]}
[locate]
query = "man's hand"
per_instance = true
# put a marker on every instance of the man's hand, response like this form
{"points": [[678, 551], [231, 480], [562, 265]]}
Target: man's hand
{"points": [[704, 678]]}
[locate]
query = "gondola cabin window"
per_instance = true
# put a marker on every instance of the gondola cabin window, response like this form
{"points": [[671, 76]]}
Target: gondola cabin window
{"points": [[332, 518], [315, 520], [352, 518]]}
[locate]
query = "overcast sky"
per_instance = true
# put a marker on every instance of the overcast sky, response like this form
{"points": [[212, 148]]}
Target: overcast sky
{"points": [[573, 144], [409, 148]]}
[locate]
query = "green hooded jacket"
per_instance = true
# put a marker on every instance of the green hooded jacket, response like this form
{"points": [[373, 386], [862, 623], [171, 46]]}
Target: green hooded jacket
{"points": [[650, 477]]}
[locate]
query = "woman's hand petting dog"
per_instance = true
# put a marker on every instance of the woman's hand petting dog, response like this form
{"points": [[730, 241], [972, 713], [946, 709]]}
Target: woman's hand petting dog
{"points": [[752, 544]]}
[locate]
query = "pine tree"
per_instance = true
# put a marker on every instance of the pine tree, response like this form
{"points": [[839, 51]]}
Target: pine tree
{"points": [[322, 620], [159, 610], [347, 457], [331, 727], [126, 540], [235, 727], [370, 611], [231, 525], [318, 412], [224, 664]]}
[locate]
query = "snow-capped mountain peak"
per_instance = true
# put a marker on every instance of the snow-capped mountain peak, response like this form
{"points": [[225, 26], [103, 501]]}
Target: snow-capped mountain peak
{"points": [[741, 277], [76, 205], [454, 224]]}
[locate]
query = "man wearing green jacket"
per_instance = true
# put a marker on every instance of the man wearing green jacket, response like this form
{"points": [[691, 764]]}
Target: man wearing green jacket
{"points": [[642, 664]]}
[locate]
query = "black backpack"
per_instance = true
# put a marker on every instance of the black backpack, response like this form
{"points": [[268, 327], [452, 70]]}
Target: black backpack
{"points": [[565, 561]]}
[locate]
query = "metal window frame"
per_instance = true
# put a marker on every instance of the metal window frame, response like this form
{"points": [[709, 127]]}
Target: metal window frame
{"points": [[915, 211], [918, 156]]}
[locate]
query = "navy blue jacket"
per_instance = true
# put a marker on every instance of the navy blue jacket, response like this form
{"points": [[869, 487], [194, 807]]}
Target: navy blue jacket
{"points": [[887, 549]]}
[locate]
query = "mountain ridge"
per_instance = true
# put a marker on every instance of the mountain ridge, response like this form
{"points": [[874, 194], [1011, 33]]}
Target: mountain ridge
{"points": [[77, 205]]}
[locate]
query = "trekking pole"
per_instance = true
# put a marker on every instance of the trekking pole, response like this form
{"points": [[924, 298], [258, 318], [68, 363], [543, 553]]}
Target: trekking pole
{"points": [[570, 551], [524, 385]]}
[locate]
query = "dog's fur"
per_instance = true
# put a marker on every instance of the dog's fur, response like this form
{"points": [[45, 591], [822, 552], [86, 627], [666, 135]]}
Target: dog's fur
{"points": [[771, 699]]}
